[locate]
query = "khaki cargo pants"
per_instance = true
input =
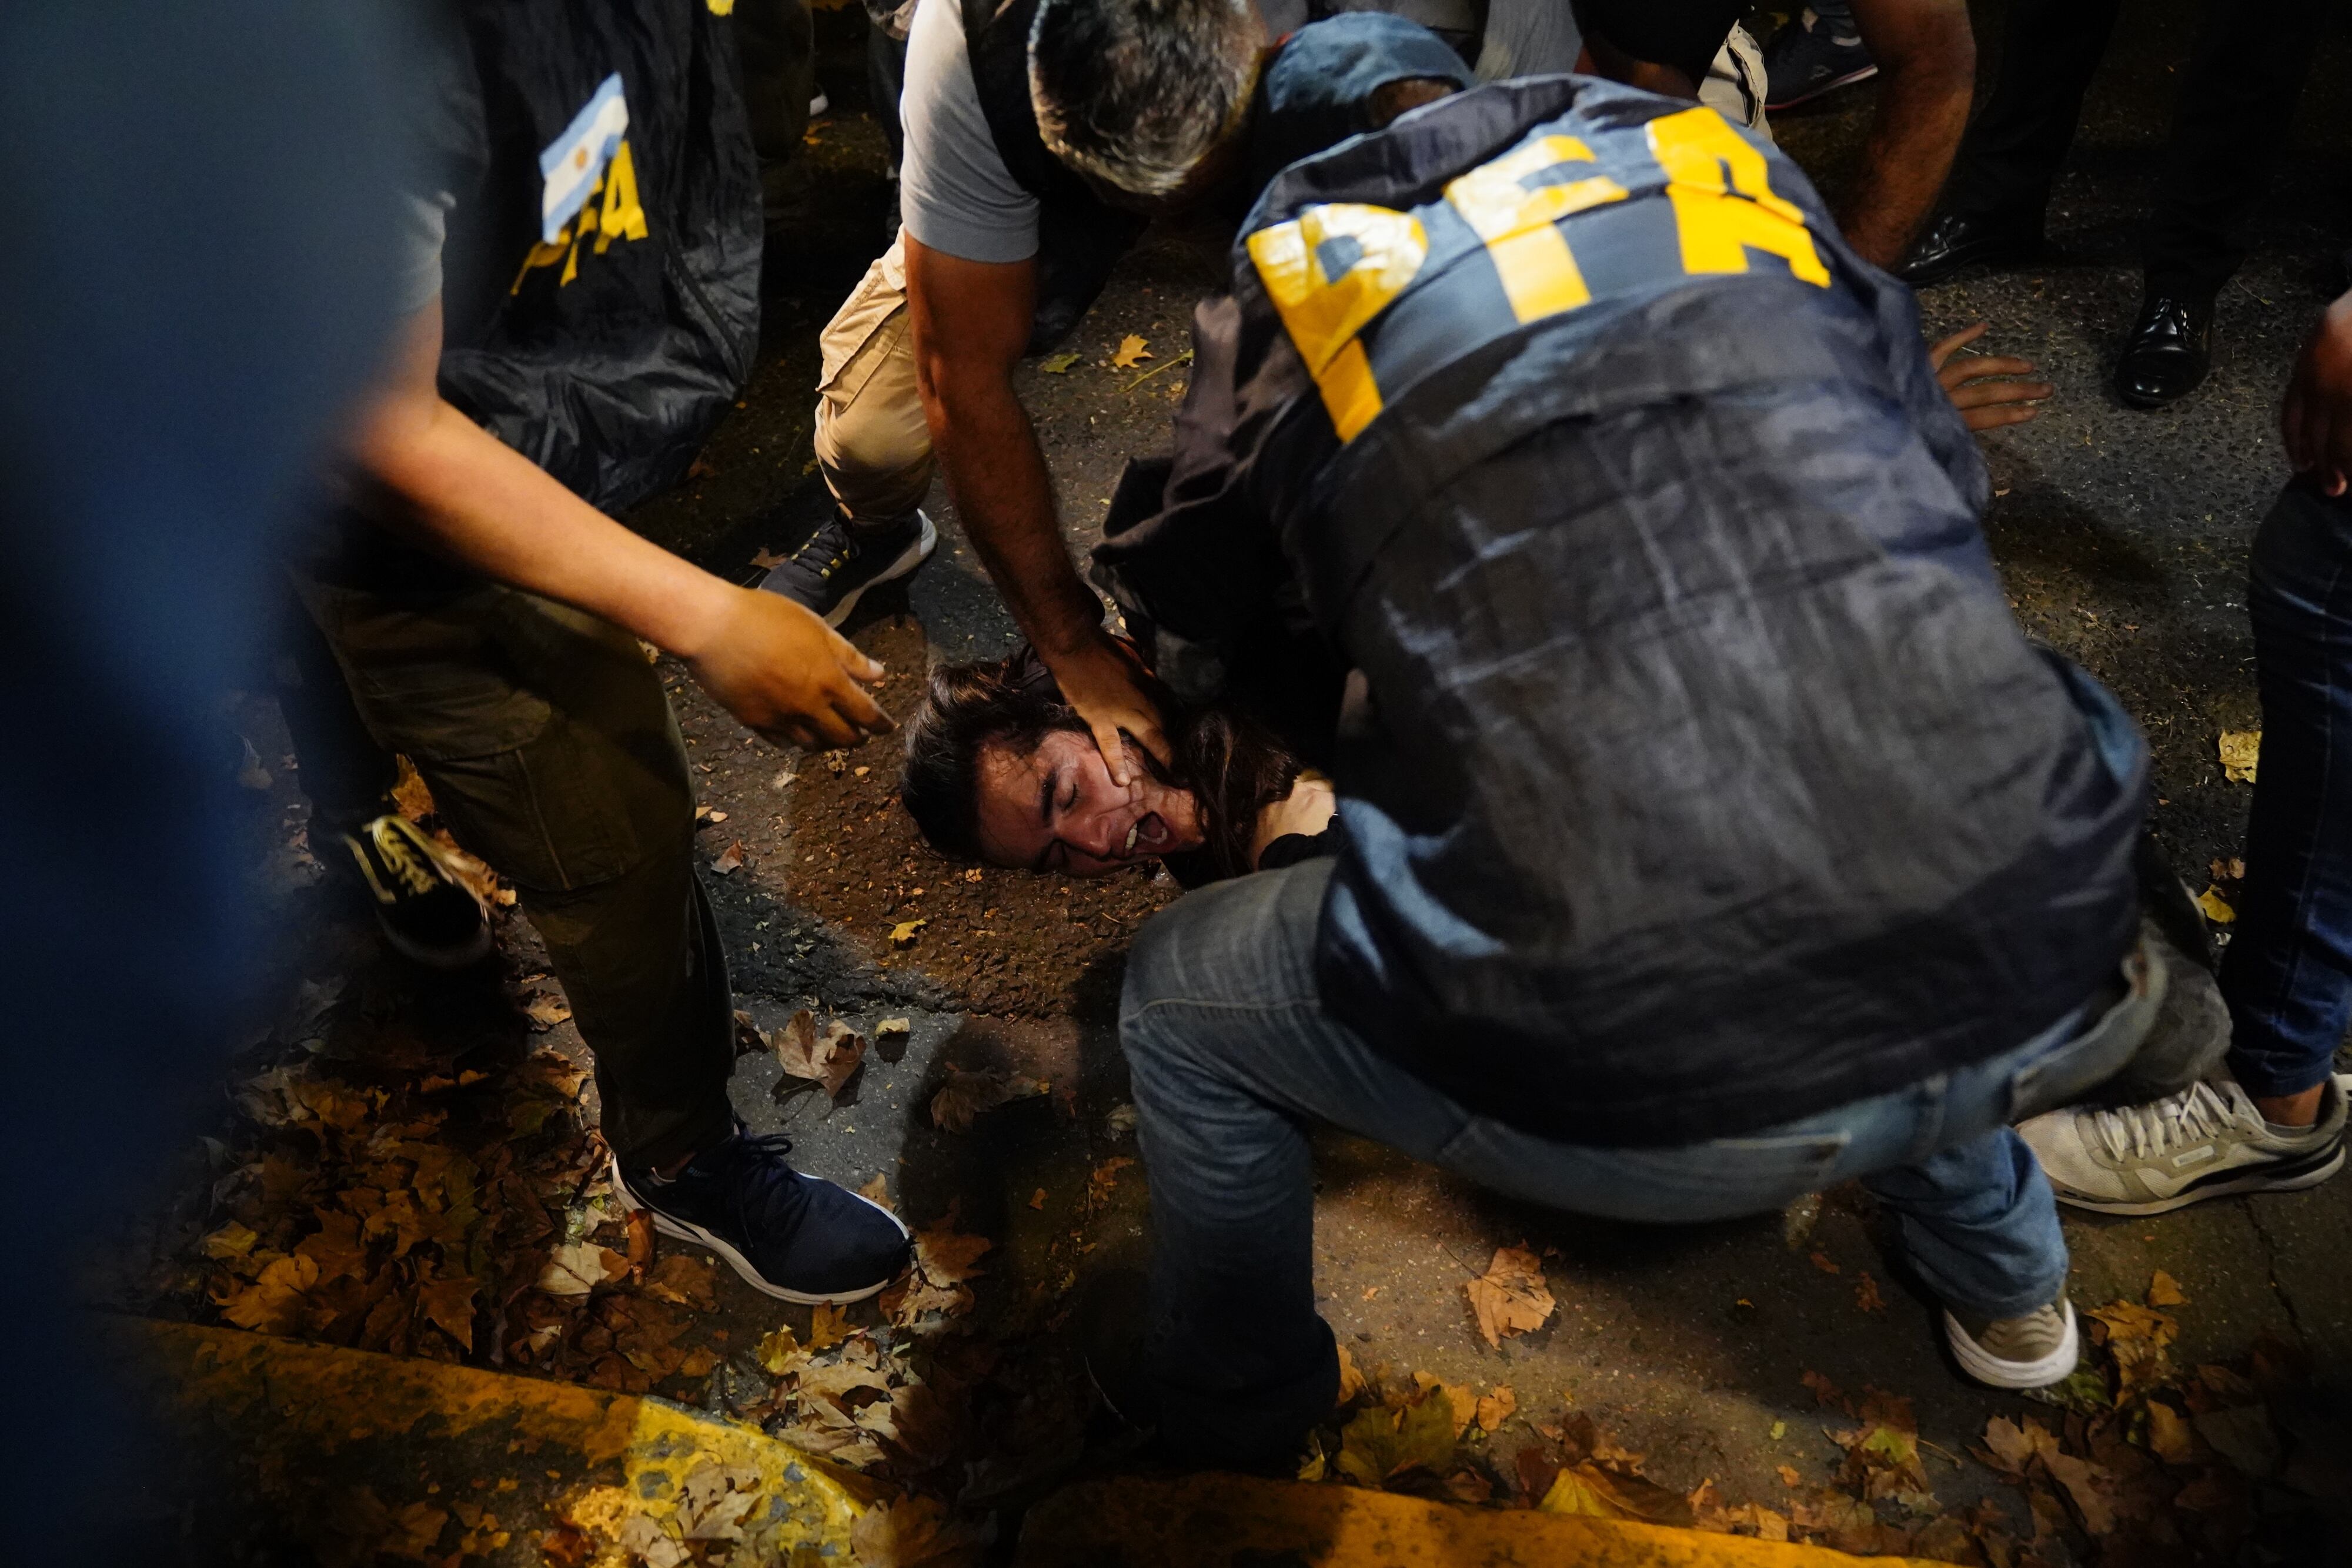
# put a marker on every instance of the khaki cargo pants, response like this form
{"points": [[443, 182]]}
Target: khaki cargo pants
{"points": [[551, 752], [873, 444]]}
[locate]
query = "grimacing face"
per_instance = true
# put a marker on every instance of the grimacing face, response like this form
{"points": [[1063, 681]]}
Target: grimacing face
{"points": [[1058, 810]]}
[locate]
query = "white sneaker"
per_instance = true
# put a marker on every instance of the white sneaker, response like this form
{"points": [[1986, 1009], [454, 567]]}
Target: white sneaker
{"points": [[2208, 1141], [2029, 1352]]}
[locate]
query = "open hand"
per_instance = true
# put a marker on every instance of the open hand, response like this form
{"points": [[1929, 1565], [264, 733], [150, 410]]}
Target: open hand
{"points": [[1103, 680], [2318, 417], [1976, 386], [787, 675]]}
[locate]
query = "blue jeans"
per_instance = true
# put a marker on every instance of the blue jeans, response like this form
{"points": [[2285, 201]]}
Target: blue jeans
{"points": [[1232, 1056], [2288, 972]]}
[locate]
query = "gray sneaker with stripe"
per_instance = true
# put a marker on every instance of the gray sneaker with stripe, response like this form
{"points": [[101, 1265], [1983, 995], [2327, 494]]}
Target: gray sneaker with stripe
{"points": [[2208, 1141]]}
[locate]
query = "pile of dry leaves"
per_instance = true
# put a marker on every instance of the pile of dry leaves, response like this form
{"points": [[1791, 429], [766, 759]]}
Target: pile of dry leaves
{"points": [[2141, 1462]]}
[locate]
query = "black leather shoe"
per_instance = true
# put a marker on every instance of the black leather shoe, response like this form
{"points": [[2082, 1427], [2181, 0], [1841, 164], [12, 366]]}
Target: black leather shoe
{"points": [[1965, 239], [2168, 353]]}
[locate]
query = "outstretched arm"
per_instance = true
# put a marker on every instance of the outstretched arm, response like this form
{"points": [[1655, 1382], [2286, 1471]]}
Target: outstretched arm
{"points": [[1927, 56], [970, 322], [771, 663]]}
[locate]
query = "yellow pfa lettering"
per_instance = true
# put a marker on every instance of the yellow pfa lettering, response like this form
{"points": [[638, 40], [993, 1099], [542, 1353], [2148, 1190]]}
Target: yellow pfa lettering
{"points": [[1723, 201], [624, 215], [620, 215], [1323, 313], [1518, 222]]}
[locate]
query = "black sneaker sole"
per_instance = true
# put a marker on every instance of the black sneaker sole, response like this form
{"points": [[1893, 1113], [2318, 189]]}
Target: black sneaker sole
{"points": [[2298, 1175], [684, 1231], [913, 556], [464, 958]]}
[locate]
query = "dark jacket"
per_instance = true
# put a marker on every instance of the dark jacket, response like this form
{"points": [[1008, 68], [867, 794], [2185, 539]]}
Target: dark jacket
{"points": [[1695, 777]]}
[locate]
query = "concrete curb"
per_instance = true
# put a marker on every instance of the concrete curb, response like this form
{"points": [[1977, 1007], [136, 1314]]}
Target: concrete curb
{"points": [[1227, 1521], [333, 1444]]}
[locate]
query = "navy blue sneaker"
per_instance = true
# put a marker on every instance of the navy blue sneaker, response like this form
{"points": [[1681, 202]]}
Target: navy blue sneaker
{"points": [[1812, 56], [791, 1236], [842, 559]]}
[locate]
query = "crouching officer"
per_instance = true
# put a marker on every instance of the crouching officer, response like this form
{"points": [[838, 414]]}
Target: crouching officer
{"points": [[1711, 833]]}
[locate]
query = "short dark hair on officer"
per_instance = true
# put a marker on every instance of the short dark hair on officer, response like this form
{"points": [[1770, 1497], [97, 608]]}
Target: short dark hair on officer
{"points": [[1136, 92]]}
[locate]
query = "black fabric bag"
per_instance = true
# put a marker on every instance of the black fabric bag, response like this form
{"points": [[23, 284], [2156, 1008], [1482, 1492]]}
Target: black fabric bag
{"points": [[607, 356]]}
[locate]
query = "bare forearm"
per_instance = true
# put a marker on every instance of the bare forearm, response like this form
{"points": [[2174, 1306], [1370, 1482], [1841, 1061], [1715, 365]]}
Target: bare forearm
{"points": [[1927, 55], [988, 451], [1912, 141], [500, 513]]}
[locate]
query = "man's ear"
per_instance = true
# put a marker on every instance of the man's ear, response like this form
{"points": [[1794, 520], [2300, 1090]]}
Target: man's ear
{"points": [[1391, 99]]}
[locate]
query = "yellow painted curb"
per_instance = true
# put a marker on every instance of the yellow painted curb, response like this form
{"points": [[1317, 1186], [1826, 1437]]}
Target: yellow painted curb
{"points": [[1218, 1521], [312, 1425]]}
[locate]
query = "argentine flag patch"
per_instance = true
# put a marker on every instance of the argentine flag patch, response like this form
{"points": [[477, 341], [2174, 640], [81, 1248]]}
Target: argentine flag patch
{"points": [[573, 162]]}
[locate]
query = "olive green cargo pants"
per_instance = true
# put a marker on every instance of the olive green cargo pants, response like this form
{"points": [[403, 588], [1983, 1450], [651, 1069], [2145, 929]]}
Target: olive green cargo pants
{"points": [[551, 752]]}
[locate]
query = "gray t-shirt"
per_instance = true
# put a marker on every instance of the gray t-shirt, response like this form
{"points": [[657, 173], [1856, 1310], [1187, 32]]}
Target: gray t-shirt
{"points": [[955, 195]]}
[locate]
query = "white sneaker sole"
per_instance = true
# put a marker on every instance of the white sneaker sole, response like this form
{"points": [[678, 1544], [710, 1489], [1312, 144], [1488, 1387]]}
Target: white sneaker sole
{"points": [[913, 556], [1994, 1373], [2252, 1181], [742, 1265], [1811, 93]]}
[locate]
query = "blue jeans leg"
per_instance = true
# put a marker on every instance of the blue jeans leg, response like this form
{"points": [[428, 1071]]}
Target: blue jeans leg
{"points": [[2288, 971], [1233, 1056], [1979, 1224]]}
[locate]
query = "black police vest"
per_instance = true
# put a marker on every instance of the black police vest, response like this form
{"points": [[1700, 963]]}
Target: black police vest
{"points": [[1700, 779], [608, 351]]}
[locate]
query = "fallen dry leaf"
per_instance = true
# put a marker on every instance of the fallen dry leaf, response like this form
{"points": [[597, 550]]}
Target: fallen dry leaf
{"points": [[1495, 1408], [965, 1095], [1380, 1444], [903, 934], [779, 1351], [1058, 364], [946, 1256], [449, 1305], [2217, 908], [1866, 1293], [899, 1534], [1585, 1491], [1789, 1476], [1821, 1261], [2241, 750], [641, 1242], [277, 1302], [878, 1191], [1131, 351], [579, 1267], [767, 559], [828, 1061], [2167, 1435], [1351, 1380], [1104, 1177], [2164, 1291], [2231, 870], [828, 1326], [1037, 1198], [546, 1011], [1509, 1298], [729, 860], [684, 1280], [1458, 1398]]}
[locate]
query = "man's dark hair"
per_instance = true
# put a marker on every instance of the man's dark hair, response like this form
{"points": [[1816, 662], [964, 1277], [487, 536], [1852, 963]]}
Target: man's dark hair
{"points": [[1232, 767], [1136, 92]]}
